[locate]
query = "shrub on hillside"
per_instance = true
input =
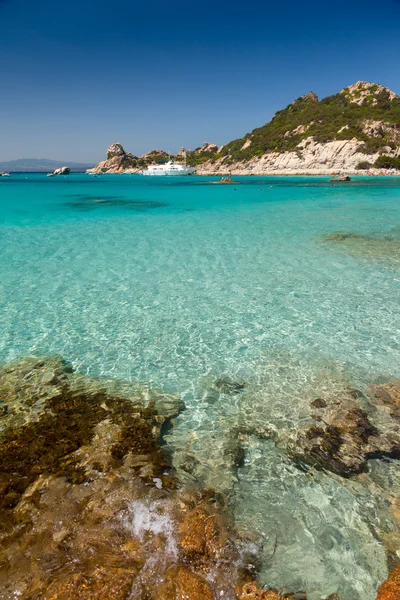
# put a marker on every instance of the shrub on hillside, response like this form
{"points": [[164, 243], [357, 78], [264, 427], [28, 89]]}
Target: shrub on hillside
{"points": [[364, 165], [387, 162]]}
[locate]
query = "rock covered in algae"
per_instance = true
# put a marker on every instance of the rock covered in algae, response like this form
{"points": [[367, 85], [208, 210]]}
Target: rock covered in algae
{"points": [[388, 395], [350, 429]]}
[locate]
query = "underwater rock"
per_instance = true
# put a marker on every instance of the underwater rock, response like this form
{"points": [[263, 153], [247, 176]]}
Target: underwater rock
{"points": [[251, 591], [349, 430], [181, 582], [390, 589], [388, 394], [384, 247], [226, 385], [102, 584], [201, 534]]}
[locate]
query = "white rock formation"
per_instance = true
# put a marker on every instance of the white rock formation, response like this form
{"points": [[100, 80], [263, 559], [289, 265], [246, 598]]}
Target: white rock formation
{"points": [[309, 157], [117, 161], [208, 147], [62, 171]]}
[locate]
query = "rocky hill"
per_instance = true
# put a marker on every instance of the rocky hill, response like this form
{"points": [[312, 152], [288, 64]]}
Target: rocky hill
{"points": [[354, 130], [358, 127]]}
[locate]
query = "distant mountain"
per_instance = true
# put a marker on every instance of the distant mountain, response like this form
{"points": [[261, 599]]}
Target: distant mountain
{"points": [[41, 164]]}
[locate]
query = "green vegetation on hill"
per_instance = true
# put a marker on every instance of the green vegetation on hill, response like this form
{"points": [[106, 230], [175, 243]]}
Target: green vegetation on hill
{"points": [[387, 162], [193, 158], [333, 118]]}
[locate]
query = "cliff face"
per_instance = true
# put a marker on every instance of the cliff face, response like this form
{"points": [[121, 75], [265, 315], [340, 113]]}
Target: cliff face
{"points": [[310, 157]]}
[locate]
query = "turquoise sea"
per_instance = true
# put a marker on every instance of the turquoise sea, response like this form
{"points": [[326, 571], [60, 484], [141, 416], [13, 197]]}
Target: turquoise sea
{"points": [[179, 282]]}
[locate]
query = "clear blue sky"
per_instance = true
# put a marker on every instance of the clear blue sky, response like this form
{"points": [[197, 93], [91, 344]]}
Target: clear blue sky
{"points": [[76, 76]]}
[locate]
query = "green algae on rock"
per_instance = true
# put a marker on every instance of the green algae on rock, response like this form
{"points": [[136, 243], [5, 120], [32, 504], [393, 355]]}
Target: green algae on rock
{"points": [[59, 420], [349, 430]]}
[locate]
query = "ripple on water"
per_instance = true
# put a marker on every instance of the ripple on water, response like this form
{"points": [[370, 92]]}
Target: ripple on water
{"points": [[219, 284]]}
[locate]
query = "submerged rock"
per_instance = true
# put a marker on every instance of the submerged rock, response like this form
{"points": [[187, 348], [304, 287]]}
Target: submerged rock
{"points": [[226, 385], [181, 582], [251, 591], [101, 584], [350, 429], [359, 245]]}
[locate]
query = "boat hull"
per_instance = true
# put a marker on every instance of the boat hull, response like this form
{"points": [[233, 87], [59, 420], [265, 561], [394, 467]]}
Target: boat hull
{"points": [[167, 173]]}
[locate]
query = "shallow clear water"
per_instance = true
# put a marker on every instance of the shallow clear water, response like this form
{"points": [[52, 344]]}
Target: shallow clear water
{"points": [[179, 281]]}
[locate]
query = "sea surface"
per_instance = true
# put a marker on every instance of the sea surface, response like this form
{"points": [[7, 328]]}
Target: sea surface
{"points": [[180, 282]]}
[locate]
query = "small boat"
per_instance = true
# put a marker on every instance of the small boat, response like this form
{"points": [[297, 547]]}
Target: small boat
{"points": [[4, 174], [226, 180], [342, 177]]}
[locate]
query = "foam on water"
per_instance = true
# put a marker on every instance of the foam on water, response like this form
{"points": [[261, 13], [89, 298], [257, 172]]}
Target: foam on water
{"points": [[144, 519], [177, 283]]}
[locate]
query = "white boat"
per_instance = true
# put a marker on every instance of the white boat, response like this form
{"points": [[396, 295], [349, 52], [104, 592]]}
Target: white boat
{"points": [[4, 174], [169, 169]]}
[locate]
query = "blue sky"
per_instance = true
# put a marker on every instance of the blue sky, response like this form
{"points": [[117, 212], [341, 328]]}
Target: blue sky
{"points": [[77, 76]]}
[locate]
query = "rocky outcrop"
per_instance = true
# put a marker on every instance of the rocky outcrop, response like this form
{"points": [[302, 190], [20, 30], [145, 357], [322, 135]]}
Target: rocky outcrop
{"points": [[117, 161], [62, 171], [311, 96], [381, 129], [207, 147], [366, 93]]}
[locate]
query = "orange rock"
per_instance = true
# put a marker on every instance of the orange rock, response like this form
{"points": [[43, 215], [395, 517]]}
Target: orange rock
{"points": [[251, 591], [201, 534], [102, 584], [180, 583], [390, 589]]}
